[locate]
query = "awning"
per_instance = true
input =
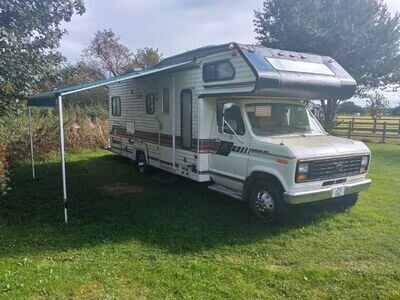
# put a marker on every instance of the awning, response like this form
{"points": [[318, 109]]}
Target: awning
{"points": [[49, 99], [55, 99]]}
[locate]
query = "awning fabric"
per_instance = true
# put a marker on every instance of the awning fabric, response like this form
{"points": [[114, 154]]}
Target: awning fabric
{"points": [[49, 99]]}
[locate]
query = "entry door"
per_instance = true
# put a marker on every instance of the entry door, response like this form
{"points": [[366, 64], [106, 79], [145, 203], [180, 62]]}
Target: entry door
{"points": [[165, 123], [228, 166]]}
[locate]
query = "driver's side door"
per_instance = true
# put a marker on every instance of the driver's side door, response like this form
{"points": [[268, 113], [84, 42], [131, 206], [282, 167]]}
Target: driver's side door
{"points": [[228, 165]]}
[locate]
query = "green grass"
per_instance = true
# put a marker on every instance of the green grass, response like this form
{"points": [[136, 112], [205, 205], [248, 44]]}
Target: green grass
{"points": [[130, 237]]}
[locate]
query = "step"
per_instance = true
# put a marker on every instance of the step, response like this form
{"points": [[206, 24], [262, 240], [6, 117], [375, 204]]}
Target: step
{"points": [[226, 191]]}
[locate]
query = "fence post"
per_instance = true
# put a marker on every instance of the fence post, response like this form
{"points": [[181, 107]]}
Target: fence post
{"points": [[349, 132], [374, 130], [384, 132], [399, 127]]}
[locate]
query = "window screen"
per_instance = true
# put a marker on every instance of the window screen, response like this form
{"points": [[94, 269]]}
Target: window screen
{"points": [[218, 71], [116, 106], [165, 100], [186, 118], [150, 104]]}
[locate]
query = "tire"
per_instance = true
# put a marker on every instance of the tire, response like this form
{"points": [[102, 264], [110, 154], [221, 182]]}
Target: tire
{"points": [[266, 202], [141, 163]]}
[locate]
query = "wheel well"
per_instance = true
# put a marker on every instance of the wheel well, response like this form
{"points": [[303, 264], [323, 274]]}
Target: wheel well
{"points": [[259, 176]]}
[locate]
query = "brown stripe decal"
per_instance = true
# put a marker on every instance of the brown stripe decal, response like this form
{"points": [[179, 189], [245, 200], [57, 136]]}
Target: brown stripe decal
{"points": [[265, 152]]}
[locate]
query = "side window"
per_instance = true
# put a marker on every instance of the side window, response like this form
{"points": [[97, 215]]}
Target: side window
{"points": [[218, 71], [233, 121], [150, 104], [165, 101], [116, 106]]}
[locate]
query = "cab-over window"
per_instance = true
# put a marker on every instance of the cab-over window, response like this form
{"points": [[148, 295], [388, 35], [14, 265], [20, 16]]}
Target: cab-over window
{"points": [[218, 71]]}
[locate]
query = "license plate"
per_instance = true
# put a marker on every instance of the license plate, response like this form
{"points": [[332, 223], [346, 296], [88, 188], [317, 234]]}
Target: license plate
{"points": [[338, 191]]}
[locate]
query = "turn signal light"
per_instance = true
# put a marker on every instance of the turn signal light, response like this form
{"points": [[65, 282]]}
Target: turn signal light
{"points": [[301, 177]]}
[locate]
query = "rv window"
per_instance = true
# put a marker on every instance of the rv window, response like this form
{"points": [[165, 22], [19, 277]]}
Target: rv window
{"points": [[116, 106], [150, 104], [165, 100], [217, 71], [233, 117]]}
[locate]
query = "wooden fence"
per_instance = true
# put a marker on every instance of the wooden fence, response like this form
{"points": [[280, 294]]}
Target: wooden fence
{"points": [[358, 127]]}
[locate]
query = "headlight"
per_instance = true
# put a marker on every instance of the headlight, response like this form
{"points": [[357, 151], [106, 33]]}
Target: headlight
{"points": [[302, 172], [303, 168], [364, 164]]}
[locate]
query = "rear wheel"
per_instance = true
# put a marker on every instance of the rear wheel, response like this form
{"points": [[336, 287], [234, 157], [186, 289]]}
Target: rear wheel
{"points": [[141, 163], [266, 202]]}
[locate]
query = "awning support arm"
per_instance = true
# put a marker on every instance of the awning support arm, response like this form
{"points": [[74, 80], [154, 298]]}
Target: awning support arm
{"points": [[64, 179], [31, 142]]}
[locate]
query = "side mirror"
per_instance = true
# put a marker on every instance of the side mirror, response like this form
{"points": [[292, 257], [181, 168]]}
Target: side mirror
{"points": [[220, 115]]}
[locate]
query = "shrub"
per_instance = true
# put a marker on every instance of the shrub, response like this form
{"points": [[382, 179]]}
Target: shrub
{"points": [[85, 127]]}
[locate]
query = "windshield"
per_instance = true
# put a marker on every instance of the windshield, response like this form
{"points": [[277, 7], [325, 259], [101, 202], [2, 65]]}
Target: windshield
{"points": [[278, 119]]}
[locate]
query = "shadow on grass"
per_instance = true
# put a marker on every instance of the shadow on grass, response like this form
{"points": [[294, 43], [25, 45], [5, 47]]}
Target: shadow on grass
{"points": [[109, 202]]}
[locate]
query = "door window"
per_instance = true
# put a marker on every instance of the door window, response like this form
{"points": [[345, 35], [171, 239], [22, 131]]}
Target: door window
{"points": [[186, 118], [233, 121], [116, 106], [165, 100]]}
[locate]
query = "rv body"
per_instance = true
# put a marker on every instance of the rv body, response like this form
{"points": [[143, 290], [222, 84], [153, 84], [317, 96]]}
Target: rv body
{"points": [[236, 116]]}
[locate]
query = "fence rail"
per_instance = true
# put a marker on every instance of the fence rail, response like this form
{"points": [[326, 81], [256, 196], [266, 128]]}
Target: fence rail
{"points": [[382, 129]]}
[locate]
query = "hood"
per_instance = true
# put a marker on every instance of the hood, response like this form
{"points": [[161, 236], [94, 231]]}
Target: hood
{"points": [[318, 146]]}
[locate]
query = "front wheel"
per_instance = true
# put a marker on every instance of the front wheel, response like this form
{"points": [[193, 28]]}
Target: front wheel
{"points": [[266, 202]]}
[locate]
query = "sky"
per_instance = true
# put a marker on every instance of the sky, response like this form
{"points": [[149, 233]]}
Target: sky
{"points": [[173, 26]]}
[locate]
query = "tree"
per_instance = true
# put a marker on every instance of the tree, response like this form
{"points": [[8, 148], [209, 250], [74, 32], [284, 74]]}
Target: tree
{"points": [[146, 57], [349, 108], [377, 105], [70, 75], [106, 52], [30, 32], [395, 111], [361, 35]]}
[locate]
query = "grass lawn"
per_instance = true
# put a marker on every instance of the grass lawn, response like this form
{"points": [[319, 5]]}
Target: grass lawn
{"points": [[130, 237]]}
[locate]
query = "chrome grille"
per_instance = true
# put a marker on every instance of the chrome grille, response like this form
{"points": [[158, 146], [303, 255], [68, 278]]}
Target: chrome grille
{"points": [[334, 168]]}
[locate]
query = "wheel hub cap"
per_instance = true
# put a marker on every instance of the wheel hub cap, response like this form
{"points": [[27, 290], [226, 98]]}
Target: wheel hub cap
{"points": [[265, 204]]}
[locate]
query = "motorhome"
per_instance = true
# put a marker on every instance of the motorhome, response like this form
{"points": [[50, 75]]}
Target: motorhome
{"points": [[235, 116]]}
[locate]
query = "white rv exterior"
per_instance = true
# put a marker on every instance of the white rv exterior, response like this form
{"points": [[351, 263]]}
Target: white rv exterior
{"points": [[201, 120]]}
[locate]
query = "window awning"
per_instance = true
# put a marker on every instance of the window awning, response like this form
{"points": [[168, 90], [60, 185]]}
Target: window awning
{"points": [[49, 99]]}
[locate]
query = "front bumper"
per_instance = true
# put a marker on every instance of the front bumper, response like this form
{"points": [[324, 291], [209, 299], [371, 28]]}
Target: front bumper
{"points": [[325, 193]]}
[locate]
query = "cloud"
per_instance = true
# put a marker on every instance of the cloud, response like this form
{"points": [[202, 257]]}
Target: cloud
{"points": [[173, 26]]}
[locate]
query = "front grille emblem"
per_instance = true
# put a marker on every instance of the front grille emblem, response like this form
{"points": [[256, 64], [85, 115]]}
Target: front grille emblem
{"points": [[339, 166]]}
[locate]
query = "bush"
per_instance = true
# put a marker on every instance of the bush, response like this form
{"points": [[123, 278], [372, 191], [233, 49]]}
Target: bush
{"points": [[85, 127]]}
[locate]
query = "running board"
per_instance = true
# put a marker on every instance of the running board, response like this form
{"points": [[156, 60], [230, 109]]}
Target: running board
{"points": [[226, 191]]}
